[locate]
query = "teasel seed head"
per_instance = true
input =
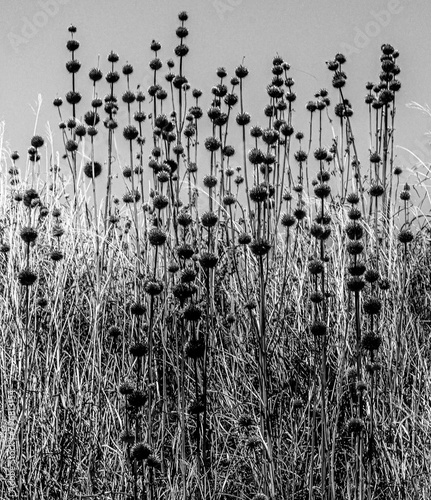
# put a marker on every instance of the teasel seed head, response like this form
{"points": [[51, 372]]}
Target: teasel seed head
{"points": [[208, 260], [27, 277], [37, 141], [137, 398], [185, 251], [405, 236], [88, 169], [192, 312], [153, 287], [372, 305], [371, 342], [138, 349], [56, 255], [354, 214], [318, 328], [140, 451], [244, 238], [371, 275], [355, 284], [28, 234], [156, 236], [241, 72]]}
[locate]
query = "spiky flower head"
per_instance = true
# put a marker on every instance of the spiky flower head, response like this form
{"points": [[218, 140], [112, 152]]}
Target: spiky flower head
{"points": [[371, 342], [243, 118], [244, 238], [260, 247], [372, 305], [153, 287], [316, 267], [208, 260], [156, 236], [318, 328], [355, 284], [405, 236], [322, 191], [140, 451], [209, 219], [138, 349], [37, 141], [92, 169], [241, 71], [136, 398], [114, 332], [28, 234], [192, 312], [185, 251], [354, 230], [56, 255], [300, 155], [27, 277]]}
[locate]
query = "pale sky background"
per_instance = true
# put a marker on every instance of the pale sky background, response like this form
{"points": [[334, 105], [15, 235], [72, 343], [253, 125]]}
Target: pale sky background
{"points": [[305, 33]]}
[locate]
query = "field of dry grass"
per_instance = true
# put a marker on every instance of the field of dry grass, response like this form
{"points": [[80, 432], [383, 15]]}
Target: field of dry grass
{"points": [[212, 323]]}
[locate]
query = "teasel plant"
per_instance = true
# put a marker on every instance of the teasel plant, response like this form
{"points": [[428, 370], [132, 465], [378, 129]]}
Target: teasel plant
{"points": [[259, 219], [346, 157], [27, 277], [321, 231], [405, 237], [355, 285], [73, 97]]}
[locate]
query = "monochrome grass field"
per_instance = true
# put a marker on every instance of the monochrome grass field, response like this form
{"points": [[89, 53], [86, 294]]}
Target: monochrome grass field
{"points": [[209, 320]]}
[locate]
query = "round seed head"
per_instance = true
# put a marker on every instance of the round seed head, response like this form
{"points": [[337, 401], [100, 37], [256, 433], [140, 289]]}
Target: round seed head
{"points": [[92, 170], [371, 342], [136, 398], [405, 236], [318, 328], [156, 236], [208, 260], [372, 305], [140, 451], [28, 234], [316, 267], [138, 349], [355, 284], [27, 277], [244, 238]]}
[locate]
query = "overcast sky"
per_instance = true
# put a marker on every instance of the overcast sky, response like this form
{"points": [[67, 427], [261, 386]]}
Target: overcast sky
{"points": [[305, 33]]}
